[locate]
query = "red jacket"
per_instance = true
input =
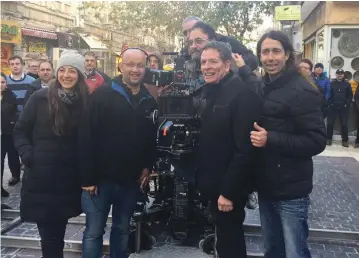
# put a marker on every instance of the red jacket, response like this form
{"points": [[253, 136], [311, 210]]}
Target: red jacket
{"points": [[94, 80]]}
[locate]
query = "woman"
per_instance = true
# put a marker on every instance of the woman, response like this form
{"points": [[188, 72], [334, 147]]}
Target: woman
{"points": [[8, 112], [46, 138]]}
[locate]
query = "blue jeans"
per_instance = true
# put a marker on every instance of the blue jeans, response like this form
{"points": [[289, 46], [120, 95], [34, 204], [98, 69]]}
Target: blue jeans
{"points": [[97, 207], [285, 227]]}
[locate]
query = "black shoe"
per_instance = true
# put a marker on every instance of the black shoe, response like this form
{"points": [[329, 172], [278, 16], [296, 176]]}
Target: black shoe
{"points": [[345, 144], [4, 193], [329, 142], [13, 181]]}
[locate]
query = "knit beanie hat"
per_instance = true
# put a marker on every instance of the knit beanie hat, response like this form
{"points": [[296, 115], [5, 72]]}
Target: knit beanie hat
{"points": [[319, 65], [74, 59]]}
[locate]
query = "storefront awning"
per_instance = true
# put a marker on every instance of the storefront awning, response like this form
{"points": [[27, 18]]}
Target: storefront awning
{"points": [[94, 43], [39, 33]]}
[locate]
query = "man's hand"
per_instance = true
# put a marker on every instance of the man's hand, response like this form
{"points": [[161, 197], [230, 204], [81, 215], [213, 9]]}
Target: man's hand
{"points": [[144, 177], [90, 189], [224, 204], [239, 60], [259, 137]]}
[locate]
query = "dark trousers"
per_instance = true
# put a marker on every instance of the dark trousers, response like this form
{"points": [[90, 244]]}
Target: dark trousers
{"points": [[52, 238], [230, 235], [343, 114], [7, 147]]}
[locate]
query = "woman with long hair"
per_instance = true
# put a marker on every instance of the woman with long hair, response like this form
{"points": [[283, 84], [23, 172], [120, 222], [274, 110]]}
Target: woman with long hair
{"points": [[46, 137]]}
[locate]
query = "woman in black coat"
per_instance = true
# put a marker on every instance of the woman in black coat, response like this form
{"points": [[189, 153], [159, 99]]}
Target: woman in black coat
{"points": [[8, 112], [46, 137]]}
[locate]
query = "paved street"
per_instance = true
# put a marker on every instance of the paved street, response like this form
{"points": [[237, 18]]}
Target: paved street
{"points": [[334, 206]]}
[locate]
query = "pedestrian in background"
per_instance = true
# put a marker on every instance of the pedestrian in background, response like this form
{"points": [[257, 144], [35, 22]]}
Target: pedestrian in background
{"points": [[323, 84], [46, 137], [341, 96], [8, 117]]}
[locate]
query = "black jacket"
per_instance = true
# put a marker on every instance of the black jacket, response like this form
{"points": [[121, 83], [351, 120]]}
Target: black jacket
{"points": [[225, 149], [8, 111], [33, 75], [121, 137], [237, 47], [51, 186], [296, 132], [36, 85], [341, 94]]}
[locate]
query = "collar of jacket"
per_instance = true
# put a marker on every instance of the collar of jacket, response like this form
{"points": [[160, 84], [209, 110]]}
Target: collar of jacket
{"points": [[90, 74], [283, 78], [320, 77], [118, 86], [209, 88]]}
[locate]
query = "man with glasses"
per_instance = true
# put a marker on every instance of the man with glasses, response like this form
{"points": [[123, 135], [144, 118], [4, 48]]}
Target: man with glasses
{"points": [[209, 34], [123, 144]]}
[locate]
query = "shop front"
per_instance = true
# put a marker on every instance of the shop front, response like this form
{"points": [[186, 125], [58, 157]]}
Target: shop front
{"points": [[10, 37], [37, 43]]}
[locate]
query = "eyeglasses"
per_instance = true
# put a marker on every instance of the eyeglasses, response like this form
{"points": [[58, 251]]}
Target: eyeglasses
{"points": [[197, 41], [133, 65]]}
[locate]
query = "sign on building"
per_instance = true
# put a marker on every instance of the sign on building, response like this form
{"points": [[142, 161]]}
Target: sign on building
{"points": [[288, 13]]}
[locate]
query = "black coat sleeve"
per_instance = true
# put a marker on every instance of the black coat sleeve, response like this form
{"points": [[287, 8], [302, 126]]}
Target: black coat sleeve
{"points": [[251, 80], [88, 130], [23, 131], [245, 111], [9, 106], [237, 47], [310, 137]]}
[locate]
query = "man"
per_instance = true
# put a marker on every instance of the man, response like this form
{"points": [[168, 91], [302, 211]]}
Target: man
{"points": [[154, 62], [339, 103], [204, 33], [18, 82], [46, 73], [8, 112], [123, 143], [291, 130], [187, 25], [224, 154], [33, 66], [94, 78], [323, 84]]}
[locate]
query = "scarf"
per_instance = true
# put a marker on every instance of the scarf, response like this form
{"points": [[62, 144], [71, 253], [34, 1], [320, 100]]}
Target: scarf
{"points": [[68, 98]]}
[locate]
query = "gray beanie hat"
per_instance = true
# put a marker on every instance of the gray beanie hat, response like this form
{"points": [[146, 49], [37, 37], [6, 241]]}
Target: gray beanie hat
{"points": [[72, 58]]}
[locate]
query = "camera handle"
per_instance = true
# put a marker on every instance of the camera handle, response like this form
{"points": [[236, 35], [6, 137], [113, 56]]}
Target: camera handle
{"points": [[154, 116]]}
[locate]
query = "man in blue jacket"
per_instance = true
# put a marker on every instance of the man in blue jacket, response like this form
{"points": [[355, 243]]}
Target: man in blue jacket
{"points": [[323, 84]]}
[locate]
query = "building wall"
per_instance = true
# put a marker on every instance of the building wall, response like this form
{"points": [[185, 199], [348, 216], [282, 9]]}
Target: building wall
{"points": [[342, 12], [314, 21]]}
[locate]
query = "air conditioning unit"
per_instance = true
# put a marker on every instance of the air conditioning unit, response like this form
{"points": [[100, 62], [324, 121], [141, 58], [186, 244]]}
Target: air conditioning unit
{"points": [[79, 22], [345, 52]]}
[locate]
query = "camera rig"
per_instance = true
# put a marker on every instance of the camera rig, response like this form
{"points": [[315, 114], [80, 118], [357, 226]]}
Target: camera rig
{"points": [[172, 188]]}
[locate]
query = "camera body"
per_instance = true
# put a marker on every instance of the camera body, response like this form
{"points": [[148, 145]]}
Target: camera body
{"points": [[175, 199]]}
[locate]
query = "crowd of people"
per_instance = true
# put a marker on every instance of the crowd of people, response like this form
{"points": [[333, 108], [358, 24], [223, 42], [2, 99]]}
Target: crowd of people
{"points": [[87, 144]]}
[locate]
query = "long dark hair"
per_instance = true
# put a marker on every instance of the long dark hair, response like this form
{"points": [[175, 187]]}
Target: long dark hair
{"points": [[58, 112], [285, 42]]}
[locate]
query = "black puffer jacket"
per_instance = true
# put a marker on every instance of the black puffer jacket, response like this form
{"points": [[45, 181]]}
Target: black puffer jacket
{"points": [[8, 111], [296, 132], [341, 94], [51, 187], [225, 151]]}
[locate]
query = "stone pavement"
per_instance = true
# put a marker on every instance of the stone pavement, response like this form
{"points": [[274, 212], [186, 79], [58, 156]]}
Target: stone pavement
{"points": [[334, 205]]}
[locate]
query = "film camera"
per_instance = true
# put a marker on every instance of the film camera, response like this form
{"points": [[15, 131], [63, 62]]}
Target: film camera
{"points": [[175, 202]]}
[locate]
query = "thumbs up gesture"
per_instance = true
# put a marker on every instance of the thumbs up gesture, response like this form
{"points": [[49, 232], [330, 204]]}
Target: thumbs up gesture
{"points": [[259, 137]]}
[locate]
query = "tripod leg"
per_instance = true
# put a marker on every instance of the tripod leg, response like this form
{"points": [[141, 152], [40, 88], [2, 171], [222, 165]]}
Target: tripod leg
{"points": [[138, 237], [215, 243]]}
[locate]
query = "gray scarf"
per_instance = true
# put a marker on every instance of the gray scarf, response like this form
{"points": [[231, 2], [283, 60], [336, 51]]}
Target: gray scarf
{"points": [[67, 98]]}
